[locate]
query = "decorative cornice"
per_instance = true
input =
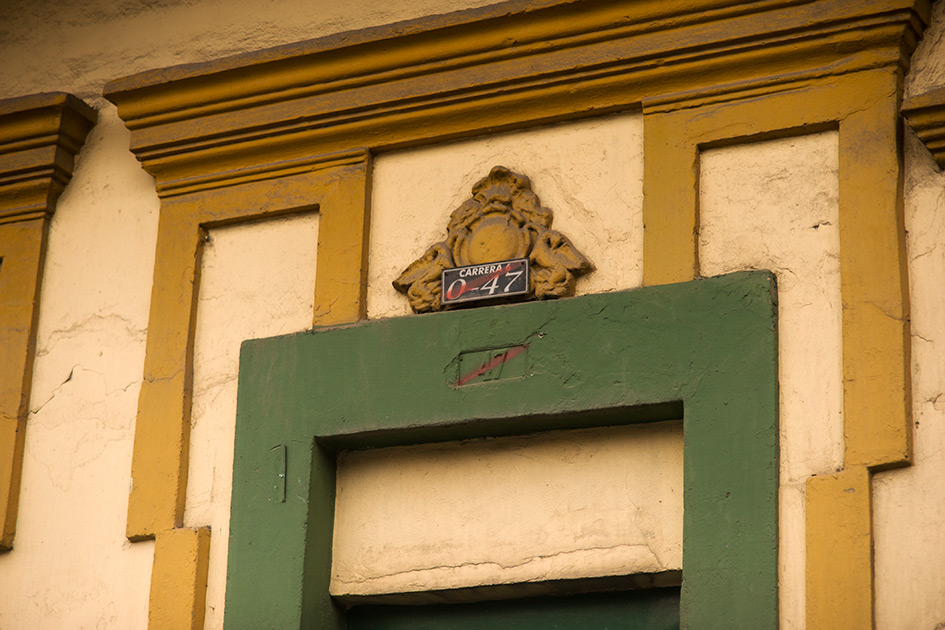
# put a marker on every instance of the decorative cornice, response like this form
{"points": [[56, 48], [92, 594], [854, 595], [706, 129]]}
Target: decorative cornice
{"points": [[925, 113], [40, 136], [509, 65]]}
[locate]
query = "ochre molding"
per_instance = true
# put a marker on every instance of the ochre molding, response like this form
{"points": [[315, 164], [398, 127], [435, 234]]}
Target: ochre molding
{"points": [[338, 192], [40, 136], [179, 578], [925, 113], [514, 65], [503, 220], [874, 292], [233, 136]]}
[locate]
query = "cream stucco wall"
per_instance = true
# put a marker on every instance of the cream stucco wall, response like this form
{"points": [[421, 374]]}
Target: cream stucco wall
{"points": [[78, 47], [770, 205], [909, 504], [590, 174], [774, 205], [561, 505], [927, 70]]}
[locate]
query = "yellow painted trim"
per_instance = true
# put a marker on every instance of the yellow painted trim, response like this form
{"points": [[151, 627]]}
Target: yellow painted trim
{"points": [[877, 389], [179, 579], [670, 202], [343, 229], [22, 249], [877, 386], [218, 135], [159, 460], [501, 67], [339, 192], [39, 138], [840, 546]]}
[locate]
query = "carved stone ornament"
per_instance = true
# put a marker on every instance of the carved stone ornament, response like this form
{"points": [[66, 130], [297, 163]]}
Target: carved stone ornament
{"points": [[503, 220]]}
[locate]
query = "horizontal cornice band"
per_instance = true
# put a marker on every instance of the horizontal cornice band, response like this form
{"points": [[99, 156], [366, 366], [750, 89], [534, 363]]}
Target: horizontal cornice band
{"points": [[40, 136], [437, 79]]}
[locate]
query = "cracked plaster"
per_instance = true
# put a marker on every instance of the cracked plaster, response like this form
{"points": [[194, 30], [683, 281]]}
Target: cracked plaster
{"points": [[927, 69], [97, 287], [96, 291], [909, 503], [78, 47], [87, 373]]}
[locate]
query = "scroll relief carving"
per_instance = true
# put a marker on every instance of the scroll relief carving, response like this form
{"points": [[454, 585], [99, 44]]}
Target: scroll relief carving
{"points": [[503, 220]]}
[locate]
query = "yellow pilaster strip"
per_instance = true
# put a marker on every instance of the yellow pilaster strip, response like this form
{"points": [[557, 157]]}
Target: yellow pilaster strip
{"points": [[343, 229], [40, 135], [876, 360], [670, 202], [874, 287], [877, 389], [840, 551], [179, 579], [22, 249], [162, 429]]}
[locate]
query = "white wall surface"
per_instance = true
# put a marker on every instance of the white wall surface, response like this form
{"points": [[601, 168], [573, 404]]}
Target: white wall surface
{"points": [[72, 566], [909, 504], [79, 46]]}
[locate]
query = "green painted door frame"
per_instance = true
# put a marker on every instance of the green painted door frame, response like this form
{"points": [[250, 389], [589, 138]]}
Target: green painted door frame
{"points": [[706, 348]]}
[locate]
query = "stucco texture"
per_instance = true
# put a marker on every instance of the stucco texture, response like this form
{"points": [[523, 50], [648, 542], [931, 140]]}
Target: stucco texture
{"points": [[509, 510], [78, 47], [770, 205], [257, 280]]}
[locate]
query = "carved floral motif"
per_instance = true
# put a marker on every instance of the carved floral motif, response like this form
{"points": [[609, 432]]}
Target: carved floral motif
{"points": [[503, 220]]}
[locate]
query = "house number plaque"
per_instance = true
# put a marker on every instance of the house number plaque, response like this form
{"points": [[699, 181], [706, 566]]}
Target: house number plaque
{"points": [[485, 282]]}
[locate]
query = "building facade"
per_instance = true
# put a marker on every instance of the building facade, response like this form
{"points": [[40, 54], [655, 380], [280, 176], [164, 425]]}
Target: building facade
{"points": [[732, 412]]}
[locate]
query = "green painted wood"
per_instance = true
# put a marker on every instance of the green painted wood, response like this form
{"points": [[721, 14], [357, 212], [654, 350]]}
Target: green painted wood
{"points": [[707, 348], [650, 609]]}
